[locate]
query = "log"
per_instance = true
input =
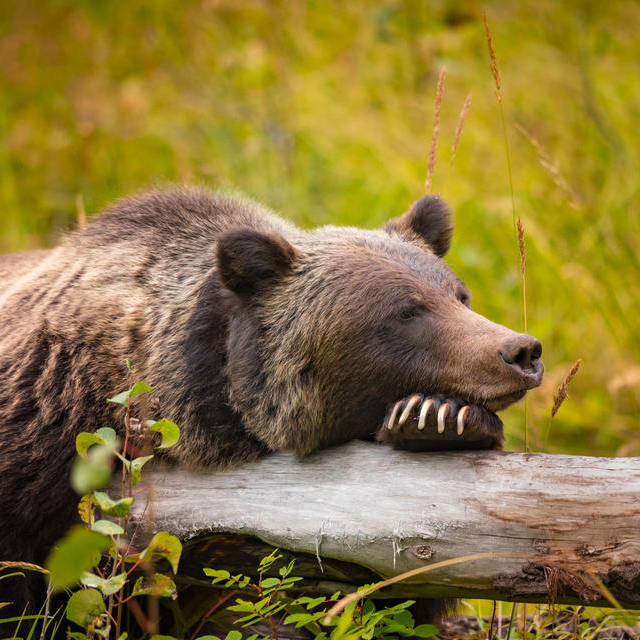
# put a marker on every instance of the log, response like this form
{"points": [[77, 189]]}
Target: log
{"points": [[356, 513]]}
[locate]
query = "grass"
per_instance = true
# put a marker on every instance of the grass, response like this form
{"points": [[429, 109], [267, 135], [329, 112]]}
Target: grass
{"points": [[323, 110]]}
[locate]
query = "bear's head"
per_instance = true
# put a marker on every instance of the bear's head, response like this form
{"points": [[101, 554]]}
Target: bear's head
{"points": [[330, 327]]}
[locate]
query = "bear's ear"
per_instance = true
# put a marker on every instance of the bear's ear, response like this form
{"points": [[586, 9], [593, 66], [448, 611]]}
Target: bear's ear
{"points": [[247, 258], [429, 218]]}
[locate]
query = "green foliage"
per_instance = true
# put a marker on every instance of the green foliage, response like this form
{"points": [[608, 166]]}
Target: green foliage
{"points": [[267, 600], [81, 550]]}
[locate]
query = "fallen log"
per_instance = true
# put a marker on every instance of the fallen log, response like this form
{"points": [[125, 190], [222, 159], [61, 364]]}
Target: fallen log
{"points": [[356, 513]]}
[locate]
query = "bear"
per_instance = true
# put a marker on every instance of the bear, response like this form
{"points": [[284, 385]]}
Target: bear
{"points": [[256, 336]]}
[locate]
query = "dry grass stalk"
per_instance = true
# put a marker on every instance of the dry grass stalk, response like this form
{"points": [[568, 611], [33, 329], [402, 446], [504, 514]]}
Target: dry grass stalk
{"points": [[81, 212], [523, 260], [461, 119], [551, 167], [436, 130], [560, 395], [521, 247], [495, 72]]}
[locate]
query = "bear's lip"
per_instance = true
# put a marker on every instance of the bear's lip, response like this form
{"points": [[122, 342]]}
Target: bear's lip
{"points": [[502, 402]]}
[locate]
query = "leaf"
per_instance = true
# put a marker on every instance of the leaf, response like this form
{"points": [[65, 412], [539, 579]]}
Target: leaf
{"points": [[136, 468], [84, 440], [233, 635], [77, 552], [169, 431], [207, 638], [93, 470], [120, 398], [159, 637], [115, 508], [91, 580], [84, 606], [107, 434], [165, 545], [267, 583], [114, 584], [137, 389], [217, 574], [159, 585], [86, 507], [425, 631], [107, 527]]}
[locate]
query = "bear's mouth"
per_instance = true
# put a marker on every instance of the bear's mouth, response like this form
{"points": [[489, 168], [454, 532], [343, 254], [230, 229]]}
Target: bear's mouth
{"points": [[502, 402]]}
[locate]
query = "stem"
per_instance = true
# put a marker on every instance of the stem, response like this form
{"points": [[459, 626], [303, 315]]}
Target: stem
{"points": [[514, 606], [47, 605], [211, 611]]}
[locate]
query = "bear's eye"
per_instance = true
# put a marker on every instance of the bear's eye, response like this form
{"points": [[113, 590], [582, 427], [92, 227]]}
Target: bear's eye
{"points": [[464, 297], [410, 312]]}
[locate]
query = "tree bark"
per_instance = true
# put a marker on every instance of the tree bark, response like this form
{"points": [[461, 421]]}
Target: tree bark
{"points": [[355, 513]]}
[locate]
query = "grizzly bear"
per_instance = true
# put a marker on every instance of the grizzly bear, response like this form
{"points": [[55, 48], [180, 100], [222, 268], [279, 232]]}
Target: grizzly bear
{"points": [[255, 335]]}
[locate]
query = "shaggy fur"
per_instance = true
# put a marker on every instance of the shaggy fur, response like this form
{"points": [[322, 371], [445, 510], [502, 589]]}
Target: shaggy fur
{"points": [[255, 335]]}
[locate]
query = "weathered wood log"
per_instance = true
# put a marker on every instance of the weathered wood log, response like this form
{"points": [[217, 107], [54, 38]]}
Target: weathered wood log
{"points": [[357, 512]]}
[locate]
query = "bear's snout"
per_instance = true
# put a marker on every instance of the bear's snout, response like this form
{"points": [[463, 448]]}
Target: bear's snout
{"points": [[522, 354]]}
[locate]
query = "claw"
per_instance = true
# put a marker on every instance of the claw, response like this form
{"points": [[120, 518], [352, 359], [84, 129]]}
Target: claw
{"points": [[462, 414], [442, 414], [394, 413], [424, 411], [413, 401]]}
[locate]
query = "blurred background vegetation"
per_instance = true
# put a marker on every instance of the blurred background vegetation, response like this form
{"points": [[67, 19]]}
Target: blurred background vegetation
{"points": [[323, 110]]}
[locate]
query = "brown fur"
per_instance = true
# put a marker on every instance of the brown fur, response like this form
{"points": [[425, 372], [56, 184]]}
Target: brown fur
{"points": [[255, 335]]}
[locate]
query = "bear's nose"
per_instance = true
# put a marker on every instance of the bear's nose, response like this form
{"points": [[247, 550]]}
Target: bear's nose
{"points": [[522, 354]]}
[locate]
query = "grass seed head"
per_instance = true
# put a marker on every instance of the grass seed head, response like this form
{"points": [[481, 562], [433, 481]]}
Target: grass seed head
{"points": [[436, 130], [560, 395]]}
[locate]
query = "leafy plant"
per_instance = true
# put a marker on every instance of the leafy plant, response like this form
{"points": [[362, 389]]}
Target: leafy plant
{"points": [[266, 601], [106, 587]]}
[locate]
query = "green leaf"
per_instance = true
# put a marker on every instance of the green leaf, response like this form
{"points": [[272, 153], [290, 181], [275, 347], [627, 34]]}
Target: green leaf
{"points": [[169, 431], [121, 398], [84, 440], [77, 552], [207, 638], [91, 580], [165, 545], [107, 586], [136, 468], [217, 574], [140, 388], [267, 583], [114, 584], [86, 507], [158, 637], [107, 434], [115, 508], [78, 635], [425, 631], [137, 389], [233, 635], [93, 470], [107, 527], [84, 606], [159, 585]]}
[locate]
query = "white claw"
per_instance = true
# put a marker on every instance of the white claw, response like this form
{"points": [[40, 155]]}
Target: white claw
{"points": [[442, 414], [426, 406], [413, 401], [394, 413], [462, 414]]}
